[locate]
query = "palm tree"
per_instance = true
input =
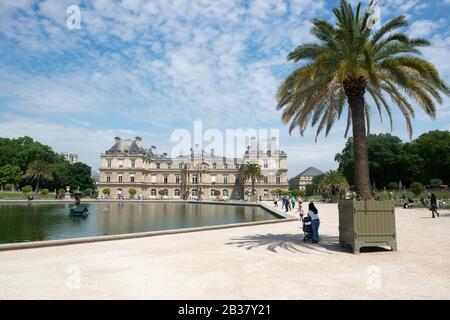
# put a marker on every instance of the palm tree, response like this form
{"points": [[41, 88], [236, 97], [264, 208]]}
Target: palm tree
{"points": [[333, 180], [38, 170], [252, 171], [348, 61]]}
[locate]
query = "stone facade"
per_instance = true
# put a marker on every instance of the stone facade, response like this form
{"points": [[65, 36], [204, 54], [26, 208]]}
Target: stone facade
{"points": [[129, 165]]}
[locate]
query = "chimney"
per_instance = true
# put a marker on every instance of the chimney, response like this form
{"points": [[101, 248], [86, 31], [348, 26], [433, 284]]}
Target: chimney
{"points": [[153, 149], [138, 141], [117, 139]]}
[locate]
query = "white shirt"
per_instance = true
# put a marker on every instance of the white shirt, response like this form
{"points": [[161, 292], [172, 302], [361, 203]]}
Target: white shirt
{"points": [[313, 215]]}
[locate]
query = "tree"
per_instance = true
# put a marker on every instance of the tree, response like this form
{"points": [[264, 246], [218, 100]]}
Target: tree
{"points": [[348, 61], [26, 189], [38, 170], [44, 192], [132, 192], [162, 193], [434, 148], [252, 172], [333, 181], [389, 160], [89, 191], [10, 174], [106, 191], [417, 188]]}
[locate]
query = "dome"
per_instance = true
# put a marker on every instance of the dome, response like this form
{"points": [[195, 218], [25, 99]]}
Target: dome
{"points": [[126, 146]]}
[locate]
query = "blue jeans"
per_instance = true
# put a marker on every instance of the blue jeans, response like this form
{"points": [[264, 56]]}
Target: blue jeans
{"points": [[315, 228]]}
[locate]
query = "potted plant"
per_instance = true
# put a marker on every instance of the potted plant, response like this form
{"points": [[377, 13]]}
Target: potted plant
{"points": [[348, 61]]}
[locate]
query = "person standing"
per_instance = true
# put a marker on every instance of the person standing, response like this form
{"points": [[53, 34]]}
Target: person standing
{"points": [[293, 202], [433, 205], [286, 203], [315, 222]]}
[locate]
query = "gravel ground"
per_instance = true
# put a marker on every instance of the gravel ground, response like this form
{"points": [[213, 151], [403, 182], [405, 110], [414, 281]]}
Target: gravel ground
{"points": [[258, 262]]}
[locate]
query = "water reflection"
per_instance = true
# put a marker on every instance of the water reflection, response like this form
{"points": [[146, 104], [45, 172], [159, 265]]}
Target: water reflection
{"points": [[34, 222]]}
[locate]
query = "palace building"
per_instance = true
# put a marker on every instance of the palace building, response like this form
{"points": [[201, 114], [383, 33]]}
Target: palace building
{"points": [[127, 164]]}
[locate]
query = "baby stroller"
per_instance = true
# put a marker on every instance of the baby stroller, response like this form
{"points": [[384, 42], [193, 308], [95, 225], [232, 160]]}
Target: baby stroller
{"points": [[307, 229]]}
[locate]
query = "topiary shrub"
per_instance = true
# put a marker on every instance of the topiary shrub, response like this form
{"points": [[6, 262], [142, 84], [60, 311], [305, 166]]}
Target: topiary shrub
{"points": [[393, 185], [436, 183], [44, 192], [417, 188], [27, 189]]}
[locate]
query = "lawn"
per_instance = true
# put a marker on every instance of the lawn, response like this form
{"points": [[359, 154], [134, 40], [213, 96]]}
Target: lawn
{"points": [[22, 196]]}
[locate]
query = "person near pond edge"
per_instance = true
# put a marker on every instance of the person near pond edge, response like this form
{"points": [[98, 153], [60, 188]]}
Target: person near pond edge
{"points": [[433, 205], [315, 222]]}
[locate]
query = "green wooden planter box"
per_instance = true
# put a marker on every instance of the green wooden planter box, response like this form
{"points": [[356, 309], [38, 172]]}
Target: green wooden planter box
{"points": [[367, 224]]}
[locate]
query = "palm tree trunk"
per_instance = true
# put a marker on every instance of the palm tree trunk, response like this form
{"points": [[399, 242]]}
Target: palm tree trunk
{"points": [[37, 185], [253, 186], [355, 90]]}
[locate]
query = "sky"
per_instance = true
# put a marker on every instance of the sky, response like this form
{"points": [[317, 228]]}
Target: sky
{"points": [[147, 68]]}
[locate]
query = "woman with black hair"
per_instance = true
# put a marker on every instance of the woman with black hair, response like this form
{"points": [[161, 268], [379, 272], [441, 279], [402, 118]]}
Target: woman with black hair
{"points": [[315, 222], [433, 205]]}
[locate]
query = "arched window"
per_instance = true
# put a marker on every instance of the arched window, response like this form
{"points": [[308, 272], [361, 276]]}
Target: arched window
{"points": [[213, 192], [153, 192], [225, 192], [194, 192], [177, 192], [166, 192]]}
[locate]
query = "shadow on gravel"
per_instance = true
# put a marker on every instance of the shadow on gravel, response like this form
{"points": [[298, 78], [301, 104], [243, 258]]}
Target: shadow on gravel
{"points": [[289, 242]]}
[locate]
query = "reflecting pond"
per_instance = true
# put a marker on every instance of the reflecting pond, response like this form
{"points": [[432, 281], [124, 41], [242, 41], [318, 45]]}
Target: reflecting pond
{"points": [[36, 222]]}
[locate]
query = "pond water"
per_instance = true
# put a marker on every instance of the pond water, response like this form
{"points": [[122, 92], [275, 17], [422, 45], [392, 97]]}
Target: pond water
{"points": [[37, 222]]}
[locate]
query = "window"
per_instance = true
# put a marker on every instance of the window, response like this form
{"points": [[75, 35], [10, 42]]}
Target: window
{"points": [[108, 178], [238, 180], [225, 166], [177, 179], [153, 192], [266, 164], [225, 192], [109, 163], [166, 179], [120, 163], [158, 166], [213, 192], [213, 179], [278, 179], [132, 178], [180, 166], [266, 193], [214, 165], [177, 192], [194, 192], [194, 178], [165, 192], [153, 178], [225, 179], [236, 166], [133, 163], [169, 166], [120, 178], [266, 180]]}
